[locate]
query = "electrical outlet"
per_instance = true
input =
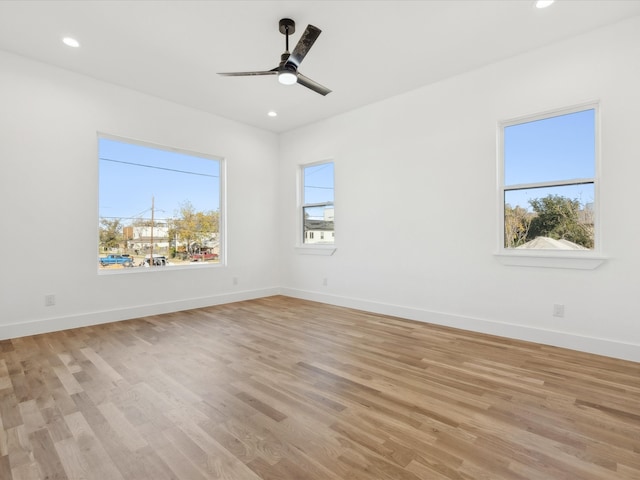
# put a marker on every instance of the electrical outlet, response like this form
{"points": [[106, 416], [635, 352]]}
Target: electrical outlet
{"points": [[558, 310], [235, 280], [325, 282], [49, 300]]}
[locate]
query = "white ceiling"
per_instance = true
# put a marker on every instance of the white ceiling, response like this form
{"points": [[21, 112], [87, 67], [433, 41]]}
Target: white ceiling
{"points": [[368, 50]]}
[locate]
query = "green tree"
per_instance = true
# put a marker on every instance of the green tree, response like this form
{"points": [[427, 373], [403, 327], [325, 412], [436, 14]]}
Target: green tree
{"points": [[560, 217], [110, 232], [517, 222], [194, 228]]}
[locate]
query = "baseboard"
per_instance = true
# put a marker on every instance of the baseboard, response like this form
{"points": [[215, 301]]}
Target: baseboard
{"points": [[54, 324], [598, 346]]}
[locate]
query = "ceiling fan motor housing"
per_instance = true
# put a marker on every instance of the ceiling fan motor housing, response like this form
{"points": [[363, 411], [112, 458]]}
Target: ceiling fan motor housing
{"points": [[287, 26]]}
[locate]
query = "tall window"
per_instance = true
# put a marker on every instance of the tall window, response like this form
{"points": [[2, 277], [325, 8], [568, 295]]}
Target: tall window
{"points": [[158, 207], [549, 172], [317, 204]]}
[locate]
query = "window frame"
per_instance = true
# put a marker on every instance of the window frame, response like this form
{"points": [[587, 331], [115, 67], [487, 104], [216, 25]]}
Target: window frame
{"points": [[222, 218], [580, 259], [300, 245]]}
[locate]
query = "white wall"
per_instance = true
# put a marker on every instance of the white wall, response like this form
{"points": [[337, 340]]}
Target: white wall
{"points": [[48, 197], [421, 168]]}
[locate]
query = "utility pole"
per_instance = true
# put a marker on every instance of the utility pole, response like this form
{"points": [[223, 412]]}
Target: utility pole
{"points": [[151, 252]]}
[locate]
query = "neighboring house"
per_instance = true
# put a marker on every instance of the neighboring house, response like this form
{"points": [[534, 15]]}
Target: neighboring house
{"points": [[211, 245], [320, 230], [143, 235]]}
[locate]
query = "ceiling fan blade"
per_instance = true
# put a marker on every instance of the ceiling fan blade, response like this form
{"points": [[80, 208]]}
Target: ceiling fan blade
{"points": [[249, 74], [304, 45], [315, 86]]}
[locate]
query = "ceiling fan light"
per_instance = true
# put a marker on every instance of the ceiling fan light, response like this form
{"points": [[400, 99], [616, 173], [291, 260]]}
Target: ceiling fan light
{"points": [[287, 77]]}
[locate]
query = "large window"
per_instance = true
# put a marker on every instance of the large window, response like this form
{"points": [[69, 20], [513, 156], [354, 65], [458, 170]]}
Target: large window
{"points": [[549, 181], [158, 207], [317, 204]]}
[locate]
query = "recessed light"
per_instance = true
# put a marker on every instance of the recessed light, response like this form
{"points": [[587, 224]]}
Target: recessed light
{"points": [[544, 3], [272, 114], [71, 42]]}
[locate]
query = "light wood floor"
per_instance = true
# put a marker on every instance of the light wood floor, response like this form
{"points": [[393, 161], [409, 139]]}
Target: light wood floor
{"points": [[279, 388]]}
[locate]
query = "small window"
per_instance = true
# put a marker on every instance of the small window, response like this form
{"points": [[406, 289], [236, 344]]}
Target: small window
{"points": [[317, 203], [157, 206], [549, 181]]}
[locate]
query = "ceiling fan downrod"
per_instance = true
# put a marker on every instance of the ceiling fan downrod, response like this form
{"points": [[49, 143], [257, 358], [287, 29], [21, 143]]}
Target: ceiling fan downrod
{"points": [[287, 27]]}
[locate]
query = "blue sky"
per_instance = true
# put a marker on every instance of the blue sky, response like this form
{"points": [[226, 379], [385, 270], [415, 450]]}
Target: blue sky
{"points": [[318, 183], [557, 148], [130, 175], [318, 188]]}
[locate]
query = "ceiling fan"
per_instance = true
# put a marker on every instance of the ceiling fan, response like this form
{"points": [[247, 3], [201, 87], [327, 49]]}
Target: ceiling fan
{"points": [[287, 70]]}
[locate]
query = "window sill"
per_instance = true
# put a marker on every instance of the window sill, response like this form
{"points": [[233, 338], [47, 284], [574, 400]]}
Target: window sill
{"points": [[550, 259], [326, 250], [163, 268]]}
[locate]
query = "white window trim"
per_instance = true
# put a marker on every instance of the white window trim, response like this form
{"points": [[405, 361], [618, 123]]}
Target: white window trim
{"points": [[301, 247], [551, 259], [222, 225], [304, 249], [583, 260]]}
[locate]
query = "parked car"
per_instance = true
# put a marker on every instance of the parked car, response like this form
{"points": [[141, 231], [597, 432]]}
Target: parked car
{"points": [[125, 260], [203, 257], [158, 260]]}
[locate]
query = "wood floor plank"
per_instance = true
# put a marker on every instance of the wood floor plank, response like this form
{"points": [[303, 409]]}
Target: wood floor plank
{"points": [[5, 467], [46, 456], [27, 471], [31, 416], [9, 410], [20, 450], [129, 436], [69, 382], [180, 465], [281, 388], [93, 452], [101, 364], [72, 460]]}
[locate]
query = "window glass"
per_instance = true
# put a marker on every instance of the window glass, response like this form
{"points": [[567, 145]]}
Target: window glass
{"points": [[157, 207], [549, 182], [555, 148], [318, 205], [318, 183]]}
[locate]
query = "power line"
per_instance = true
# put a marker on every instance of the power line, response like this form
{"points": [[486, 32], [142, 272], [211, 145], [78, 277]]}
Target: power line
{"points": [[316, 170], [158, 168], [138, 218]]}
